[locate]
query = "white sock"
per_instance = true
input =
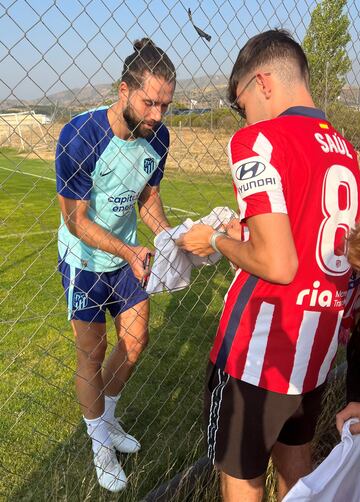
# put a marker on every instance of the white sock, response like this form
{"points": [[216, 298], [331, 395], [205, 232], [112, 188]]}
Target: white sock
{"points": [[110, 405], [98, 432]]}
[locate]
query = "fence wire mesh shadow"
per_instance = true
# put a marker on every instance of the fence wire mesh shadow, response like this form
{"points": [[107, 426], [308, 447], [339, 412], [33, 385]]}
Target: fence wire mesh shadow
{"points": [[61, 59]]}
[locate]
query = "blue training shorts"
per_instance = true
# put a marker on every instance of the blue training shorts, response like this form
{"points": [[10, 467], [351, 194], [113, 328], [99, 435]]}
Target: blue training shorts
{"points": [[89, 294]]}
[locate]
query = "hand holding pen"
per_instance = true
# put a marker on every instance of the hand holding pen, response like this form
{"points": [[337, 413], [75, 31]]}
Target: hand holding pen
{"points": [[146, 264]]}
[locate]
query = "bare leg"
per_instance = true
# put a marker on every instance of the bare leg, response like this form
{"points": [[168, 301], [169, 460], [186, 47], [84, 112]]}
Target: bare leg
{"points": [[292, 463], [132, 332], [90, 339], [241, 490]]}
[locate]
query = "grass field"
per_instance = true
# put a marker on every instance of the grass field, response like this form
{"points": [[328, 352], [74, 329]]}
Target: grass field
{"points": [[44, 451]]}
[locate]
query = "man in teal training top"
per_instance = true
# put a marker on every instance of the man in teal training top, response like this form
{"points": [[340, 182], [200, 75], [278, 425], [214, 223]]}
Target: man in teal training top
{"points": [[108, 160]]}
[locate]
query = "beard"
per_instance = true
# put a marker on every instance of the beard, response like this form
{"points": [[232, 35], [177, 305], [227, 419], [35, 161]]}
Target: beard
{"points": [[136, 125]]}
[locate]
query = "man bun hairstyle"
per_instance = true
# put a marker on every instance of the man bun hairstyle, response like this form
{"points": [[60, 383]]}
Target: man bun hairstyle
{"points": [[271, 47], [147, 57], [143, 42]]}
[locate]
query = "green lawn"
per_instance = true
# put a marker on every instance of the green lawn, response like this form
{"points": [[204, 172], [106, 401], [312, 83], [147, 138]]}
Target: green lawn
{"points": [[44, 452]]}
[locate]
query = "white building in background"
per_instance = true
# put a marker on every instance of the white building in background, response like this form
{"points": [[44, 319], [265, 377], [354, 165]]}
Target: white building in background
{"points": [[23, 129]]}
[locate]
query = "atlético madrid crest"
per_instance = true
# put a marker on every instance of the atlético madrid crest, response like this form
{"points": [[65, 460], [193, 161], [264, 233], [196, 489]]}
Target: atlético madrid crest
{"points": [[80, 301], [149, 165]]}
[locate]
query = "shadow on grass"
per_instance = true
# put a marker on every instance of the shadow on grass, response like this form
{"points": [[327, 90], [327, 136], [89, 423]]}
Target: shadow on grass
{"points": [[161, 406]]}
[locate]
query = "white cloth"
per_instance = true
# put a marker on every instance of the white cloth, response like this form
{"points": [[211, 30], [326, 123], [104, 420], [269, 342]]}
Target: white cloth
{"points": [[171, 270], [337, 478]]}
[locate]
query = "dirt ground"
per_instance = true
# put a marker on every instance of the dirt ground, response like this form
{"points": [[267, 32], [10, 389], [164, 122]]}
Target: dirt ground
{"points": [[196, 150], [191, 149]]}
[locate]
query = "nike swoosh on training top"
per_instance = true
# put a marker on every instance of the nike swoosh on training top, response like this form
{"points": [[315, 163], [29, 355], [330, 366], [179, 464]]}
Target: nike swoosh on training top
{"points": [[108, 172]]}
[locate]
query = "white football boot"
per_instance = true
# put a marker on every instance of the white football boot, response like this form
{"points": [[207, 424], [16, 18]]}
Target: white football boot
{"points": [[109, 472], [123, 442]]}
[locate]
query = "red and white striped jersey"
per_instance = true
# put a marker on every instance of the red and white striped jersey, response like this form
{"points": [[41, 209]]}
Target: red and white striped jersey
{"points": [[284, 337]]}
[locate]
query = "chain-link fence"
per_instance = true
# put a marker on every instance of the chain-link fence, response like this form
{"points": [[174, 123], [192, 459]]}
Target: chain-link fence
{"points": [[59, 59]]}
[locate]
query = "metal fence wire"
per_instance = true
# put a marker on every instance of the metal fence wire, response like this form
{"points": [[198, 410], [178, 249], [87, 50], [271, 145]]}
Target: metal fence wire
{"points": [[61, 58]]}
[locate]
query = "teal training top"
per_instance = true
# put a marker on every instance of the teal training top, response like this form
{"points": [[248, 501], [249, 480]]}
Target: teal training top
{"points": [[93, 164]]}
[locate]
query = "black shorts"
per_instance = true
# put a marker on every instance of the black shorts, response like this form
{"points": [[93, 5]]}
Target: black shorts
{"points": [[243, 422]]}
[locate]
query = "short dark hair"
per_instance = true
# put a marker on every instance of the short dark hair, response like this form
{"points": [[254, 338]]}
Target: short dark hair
{"points": [[147, 58], [265, 48]]}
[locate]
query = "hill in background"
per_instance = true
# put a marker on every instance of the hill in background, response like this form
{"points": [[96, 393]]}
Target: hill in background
{"points": [[208, 91], [202, 89]]}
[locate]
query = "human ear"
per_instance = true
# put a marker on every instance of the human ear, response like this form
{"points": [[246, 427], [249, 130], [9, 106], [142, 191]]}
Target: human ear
{"points": [[123, 90], [264, 82]]}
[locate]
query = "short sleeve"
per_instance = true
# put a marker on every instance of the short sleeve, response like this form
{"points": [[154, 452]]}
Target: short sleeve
{"points": [[160, 142], [74, 164], [257, 182]]}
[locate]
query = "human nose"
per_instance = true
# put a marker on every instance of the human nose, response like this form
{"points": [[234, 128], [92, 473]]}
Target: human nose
{"points": [[156, 113]]}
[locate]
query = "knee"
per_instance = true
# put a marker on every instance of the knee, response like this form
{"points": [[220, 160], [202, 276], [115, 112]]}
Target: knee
{"points": [[144, 340], [234, 489], [92, 358], [135, 344]]}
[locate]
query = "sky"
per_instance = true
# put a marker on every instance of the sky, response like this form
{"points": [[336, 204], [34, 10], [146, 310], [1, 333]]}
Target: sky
{"points": [[48, 46]]}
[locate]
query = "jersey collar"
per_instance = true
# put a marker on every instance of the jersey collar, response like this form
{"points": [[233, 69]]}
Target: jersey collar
{"points": [[305, 111]]}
